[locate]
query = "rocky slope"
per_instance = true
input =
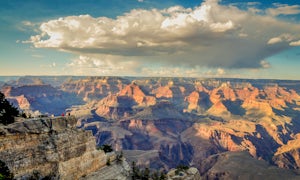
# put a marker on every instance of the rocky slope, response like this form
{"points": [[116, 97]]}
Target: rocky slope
{"points": [[49, 147], [288, 155], [240, 166], [116, 170]]}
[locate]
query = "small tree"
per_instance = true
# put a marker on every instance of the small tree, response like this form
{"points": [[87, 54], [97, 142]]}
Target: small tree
{"points": [[155, 175], [120, 157], [108, 162], [181, 168], [162, 176], [135, 174], [146, 174], [106, 148], [7, 111]]}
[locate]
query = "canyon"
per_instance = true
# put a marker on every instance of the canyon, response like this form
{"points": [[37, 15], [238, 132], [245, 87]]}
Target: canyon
{"points": [[164, 122]]}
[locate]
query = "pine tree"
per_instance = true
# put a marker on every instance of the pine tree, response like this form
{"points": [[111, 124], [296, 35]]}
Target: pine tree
{"points": [[7, 111]]}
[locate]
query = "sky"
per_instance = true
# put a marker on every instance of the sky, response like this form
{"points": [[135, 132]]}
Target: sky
{"points": [[185, 38]]}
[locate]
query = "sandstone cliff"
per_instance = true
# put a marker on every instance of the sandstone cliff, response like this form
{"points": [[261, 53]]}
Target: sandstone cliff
{"points": [[49, 147]]}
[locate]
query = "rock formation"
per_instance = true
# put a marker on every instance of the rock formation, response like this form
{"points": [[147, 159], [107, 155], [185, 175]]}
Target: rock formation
{"points": [[94, 88], [49, 147], [288, 155]]}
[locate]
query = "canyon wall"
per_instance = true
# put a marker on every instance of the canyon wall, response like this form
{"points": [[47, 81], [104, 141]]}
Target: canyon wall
{"points": [[49, 147]]}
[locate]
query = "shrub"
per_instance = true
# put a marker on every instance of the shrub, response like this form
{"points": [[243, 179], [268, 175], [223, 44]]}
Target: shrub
{"points": [[106, 148], [4, 171], [181, 168], [108, 162], [119, 157]]}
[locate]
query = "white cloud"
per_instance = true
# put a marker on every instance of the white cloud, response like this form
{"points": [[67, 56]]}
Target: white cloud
{"points": [[102, 65], [281, 38], [220, 71], [221, 27], [28, 26], [211, 35], [265, 64], [295, 43], [253, 3], [275, 40], [176, 9], [283, 9]]}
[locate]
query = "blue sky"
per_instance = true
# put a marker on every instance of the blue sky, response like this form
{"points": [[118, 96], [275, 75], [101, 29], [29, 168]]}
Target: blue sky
{"points": [[151, 38]]}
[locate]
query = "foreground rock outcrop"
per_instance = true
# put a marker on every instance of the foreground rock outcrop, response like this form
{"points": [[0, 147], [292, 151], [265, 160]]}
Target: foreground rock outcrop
{"points": [[49, 147]]}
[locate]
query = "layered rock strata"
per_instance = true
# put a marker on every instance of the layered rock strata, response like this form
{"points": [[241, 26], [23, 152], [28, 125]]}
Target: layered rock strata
{"points": [[49, 147]]}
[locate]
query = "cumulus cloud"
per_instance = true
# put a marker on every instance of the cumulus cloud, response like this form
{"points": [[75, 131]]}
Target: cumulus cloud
{"points": [[210, 35]]}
